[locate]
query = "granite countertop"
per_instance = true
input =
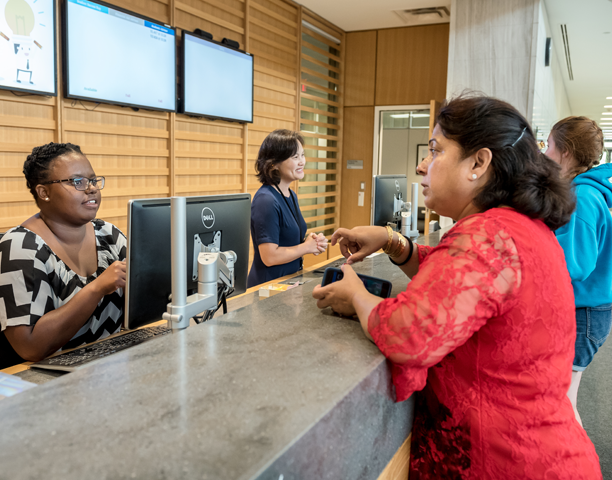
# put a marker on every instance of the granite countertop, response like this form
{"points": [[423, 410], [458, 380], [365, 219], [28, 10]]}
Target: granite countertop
{"points": [[274, 389]]}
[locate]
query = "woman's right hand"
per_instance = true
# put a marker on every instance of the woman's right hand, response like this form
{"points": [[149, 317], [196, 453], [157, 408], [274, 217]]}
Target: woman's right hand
{"points": [[359, 242], [314, 244], [112, 278]]}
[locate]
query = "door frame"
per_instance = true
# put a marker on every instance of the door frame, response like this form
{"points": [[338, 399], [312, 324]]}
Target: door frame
{"points": [[376, 157], [377, 144]]}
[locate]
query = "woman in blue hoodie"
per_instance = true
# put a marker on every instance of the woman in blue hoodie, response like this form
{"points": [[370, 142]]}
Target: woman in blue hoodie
{"points": [[576, 143]]}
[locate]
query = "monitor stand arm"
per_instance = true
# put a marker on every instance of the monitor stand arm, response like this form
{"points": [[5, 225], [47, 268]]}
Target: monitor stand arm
{"points": [[405, 214], [213, 267]]}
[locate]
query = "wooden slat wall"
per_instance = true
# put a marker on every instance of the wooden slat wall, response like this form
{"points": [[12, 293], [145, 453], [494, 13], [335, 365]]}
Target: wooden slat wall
{"points": [[25, 122], [321, 117], [274, 42], [154, 154]]}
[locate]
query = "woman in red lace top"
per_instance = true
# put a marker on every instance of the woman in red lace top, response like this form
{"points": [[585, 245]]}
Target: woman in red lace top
{"points": [[485, 329]]}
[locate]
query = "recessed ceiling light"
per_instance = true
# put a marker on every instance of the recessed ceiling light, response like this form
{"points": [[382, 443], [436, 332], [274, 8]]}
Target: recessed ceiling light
{"points": [[400, 115], [607, 106], [607, 113], [608, 98]]}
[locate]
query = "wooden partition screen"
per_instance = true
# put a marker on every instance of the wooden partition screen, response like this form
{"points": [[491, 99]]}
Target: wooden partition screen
{"points": [[321, 113], [147, 154]]}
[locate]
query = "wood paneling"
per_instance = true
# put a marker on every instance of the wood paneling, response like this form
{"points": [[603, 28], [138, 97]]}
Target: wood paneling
{"points": [[25, 122], [360, 68], [358, 144], [148, 153], [411, 65], [399, 466], [410, 68]]}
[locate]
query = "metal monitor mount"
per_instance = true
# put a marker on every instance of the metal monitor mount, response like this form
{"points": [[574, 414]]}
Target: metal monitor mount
{"points": [[404, 216], [213, 268]]}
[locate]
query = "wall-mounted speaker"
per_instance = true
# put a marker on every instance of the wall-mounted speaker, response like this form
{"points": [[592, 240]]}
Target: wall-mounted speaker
{"points": [[201, 33], [231, 43]]}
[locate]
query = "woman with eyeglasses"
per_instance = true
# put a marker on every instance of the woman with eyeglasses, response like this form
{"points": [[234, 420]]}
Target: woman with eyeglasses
{"points": [[278, 228], [62, 271]]}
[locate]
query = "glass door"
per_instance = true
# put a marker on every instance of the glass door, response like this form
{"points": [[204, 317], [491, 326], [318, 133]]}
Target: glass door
{"points": [[401, 140]]}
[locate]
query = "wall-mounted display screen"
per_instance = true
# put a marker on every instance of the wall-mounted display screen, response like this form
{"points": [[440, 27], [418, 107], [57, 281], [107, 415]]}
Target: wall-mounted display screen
{"points": [[27, 46], [119, 57], [217, 80]]}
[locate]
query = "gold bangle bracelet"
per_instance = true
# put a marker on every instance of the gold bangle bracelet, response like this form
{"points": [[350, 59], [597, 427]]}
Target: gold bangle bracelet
{"points": [[393, 252], [390, 241], [399, 250]]}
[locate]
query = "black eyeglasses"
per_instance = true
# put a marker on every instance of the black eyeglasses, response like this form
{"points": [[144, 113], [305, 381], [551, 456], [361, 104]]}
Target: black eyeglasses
{"points": [[81, 183]]}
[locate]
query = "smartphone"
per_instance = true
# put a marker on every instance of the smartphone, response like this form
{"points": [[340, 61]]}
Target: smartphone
{"points": [[376, 286]]}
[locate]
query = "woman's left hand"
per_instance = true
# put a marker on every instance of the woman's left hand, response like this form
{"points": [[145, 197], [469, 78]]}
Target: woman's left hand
{"points": [[339, 295], [321, 242]]}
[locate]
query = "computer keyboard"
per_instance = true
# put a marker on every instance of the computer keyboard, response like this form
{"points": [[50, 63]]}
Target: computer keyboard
{"points": [[70, 361]]}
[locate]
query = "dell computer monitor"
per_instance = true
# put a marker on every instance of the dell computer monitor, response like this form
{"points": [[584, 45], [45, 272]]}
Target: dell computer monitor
{"points": [[224, 219], [386, 188], [119, 57], [27, 46], [217, 80]]}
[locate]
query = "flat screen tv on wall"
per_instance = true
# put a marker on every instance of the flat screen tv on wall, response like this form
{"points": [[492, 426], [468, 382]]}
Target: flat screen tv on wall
{"points": [[217, 80], [119, 57]]}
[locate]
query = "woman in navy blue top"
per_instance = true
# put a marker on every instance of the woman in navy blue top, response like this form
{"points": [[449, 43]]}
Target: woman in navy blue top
{"points": [[278, 228]]}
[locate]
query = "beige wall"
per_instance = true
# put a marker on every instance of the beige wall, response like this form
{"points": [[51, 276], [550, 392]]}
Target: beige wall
{"points": [[550, 101], [498, 48], [491, 46]]}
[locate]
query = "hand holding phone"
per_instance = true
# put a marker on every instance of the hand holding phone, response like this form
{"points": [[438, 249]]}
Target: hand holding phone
{"points": [[376, 286]]}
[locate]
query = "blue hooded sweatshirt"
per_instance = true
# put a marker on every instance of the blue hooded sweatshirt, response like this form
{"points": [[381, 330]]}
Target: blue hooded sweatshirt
{"points": [[587, 238]]}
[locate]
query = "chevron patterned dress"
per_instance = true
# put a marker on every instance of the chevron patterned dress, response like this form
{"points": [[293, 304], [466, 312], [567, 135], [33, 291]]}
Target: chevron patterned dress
{"points": [[35, 281]]}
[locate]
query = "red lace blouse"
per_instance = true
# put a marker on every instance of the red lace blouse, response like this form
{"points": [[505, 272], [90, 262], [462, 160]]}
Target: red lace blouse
{"points": [[486, 330]]}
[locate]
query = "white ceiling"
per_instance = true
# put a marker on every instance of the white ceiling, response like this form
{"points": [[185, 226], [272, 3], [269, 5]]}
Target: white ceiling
{"points": [[587, 23], [351, 15], [589, 30]]}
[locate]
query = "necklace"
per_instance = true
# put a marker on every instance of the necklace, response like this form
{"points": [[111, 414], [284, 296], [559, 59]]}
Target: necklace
{"points": [[292, 210]]}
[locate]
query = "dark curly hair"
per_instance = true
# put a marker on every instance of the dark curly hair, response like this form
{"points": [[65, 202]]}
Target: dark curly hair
{"points": [[36, 166], [582, 139], [277, 147], [521, 176]]}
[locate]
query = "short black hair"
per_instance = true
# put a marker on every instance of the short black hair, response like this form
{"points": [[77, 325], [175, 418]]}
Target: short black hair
{"points": [[522, 177], [277, 147], [36, 166]]}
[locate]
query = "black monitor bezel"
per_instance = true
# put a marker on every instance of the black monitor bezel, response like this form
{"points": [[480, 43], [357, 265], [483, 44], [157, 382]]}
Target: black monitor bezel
{"points": [[66, 59], [39, 92], [241, 270], [181, 102], [376, 192]]}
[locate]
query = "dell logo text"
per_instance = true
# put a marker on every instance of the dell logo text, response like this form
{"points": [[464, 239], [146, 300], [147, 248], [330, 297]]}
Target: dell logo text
{"points": [[208, 217]]}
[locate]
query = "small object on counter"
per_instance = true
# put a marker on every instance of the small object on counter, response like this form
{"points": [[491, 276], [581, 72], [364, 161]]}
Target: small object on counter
{"points": [[274, 288], [11, 385]]}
